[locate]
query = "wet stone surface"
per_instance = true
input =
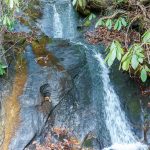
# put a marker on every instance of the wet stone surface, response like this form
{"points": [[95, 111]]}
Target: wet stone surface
{"points": [[74, 81], [34, 110]]}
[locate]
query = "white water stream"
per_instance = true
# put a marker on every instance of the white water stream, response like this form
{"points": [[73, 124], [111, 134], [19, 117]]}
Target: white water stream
{"points": [[57, 25], [71, 28], [63, 28], [119, 129], [117, 124]]}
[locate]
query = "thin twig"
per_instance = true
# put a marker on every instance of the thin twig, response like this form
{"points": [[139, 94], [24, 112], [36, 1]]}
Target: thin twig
{"points": [[115, 14], [126, 37]]}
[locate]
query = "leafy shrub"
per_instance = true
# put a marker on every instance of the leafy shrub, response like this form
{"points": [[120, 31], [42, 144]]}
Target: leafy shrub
{"points": [[132, 59], [2, 69], [117, 24]]}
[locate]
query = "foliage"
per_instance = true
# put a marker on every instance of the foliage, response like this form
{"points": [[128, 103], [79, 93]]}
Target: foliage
{"points": [[120, 23], [120, 1], [2, 68], [7, 20], [88, 19], [115, 51], [117, 24], [132, 60], [12, 3], [8, 9], [119, 20], [81, 3]]}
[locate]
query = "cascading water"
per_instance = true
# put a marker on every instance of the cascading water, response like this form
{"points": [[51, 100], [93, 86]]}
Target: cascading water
{"points": [[84, 107], [119, 129], [57, 25], [59, 20], [120, 132], [63, 29], [71, 28]]}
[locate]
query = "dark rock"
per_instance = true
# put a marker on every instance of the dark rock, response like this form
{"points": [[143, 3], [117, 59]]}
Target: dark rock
{"points": [[45, 92]]}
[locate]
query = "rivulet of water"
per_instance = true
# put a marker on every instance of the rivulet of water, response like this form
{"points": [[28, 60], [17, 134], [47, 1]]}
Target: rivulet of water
{"points": [[57, 25], [119, 129]]}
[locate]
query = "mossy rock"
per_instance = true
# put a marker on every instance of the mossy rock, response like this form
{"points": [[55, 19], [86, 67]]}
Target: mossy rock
{"points": [[81, 7], [85, 6], [98, 4], [88, 143], [134, 109]]}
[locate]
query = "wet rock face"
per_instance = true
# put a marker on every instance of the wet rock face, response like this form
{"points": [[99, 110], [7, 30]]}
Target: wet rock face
{"points": [[74, 83], [53, 23], [34, 110], [132, 102], [45, 91], [68, 87], [5, 89]]}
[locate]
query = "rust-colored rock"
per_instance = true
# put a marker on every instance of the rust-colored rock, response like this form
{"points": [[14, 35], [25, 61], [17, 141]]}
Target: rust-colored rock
{"points": [[12, 106]]}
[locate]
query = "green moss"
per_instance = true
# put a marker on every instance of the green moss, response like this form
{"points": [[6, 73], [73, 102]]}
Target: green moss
{"points": [[134, 108], [33, 11], [43, 57], [88, 143]]}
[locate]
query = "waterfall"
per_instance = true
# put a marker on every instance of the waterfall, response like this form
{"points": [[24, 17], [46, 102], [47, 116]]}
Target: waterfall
{"points": [[119, 129], [59, 20], [64, 22], [70, 16], [57, 24]]}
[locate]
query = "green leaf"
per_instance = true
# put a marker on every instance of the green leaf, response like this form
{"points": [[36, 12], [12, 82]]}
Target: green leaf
{"points": [[100, 22], [11, 3], [118, 55], [119, 25], [115, 50], [134, 62], [123, 22], [140, 60], [91, 16], [5, 20], [109, 24], [112, 57], [119, 47], [80, 3], [116, 25], [120, 50], [143, 75], [147, 69], [8, 21], [126, 64], [125, 57], [84, 3], [16, 2], [87, 23], [107, 57], [113, 46], [2, 70], [94, 16], [74, 2], [140, 54], [137, 47], [3, 66], [146, 37]]}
